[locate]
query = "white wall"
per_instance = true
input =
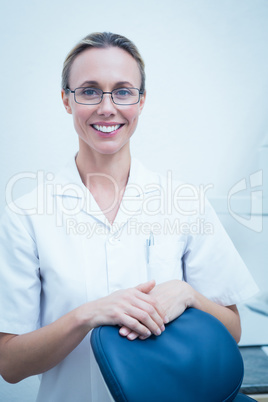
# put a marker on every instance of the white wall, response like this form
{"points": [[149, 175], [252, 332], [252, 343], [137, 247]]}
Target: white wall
{"points": [[209, 58]]}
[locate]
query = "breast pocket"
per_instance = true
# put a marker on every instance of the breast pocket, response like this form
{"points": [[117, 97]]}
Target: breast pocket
{"points": [[165, 261]]}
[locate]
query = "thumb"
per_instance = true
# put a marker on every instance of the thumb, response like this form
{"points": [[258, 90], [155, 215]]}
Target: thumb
{"points": [[146, 287]]}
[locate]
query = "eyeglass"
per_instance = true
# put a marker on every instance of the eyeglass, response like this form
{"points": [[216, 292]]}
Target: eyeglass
{"points": [[94, 96]]}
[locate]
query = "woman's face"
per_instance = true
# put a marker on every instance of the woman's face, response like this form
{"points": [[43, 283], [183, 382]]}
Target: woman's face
{"points": [[106, 69]]}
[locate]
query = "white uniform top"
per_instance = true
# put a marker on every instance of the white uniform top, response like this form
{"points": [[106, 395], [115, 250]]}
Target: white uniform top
{"points": [[58, 251]]}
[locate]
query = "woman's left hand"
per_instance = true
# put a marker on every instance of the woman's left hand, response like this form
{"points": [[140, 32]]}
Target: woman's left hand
{"points": [[174, 297]]}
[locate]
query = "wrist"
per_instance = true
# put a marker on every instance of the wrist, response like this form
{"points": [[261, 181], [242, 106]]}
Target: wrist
{"points": [[86, 316], [193, 298]]}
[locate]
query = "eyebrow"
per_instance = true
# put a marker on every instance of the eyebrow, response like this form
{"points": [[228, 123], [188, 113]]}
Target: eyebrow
{"points": [[95, 83]]}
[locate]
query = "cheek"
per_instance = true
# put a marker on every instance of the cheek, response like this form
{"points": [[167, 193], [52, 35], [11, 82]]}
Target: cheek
{"points": [[81, 115], [80, 118], [132, 114]]}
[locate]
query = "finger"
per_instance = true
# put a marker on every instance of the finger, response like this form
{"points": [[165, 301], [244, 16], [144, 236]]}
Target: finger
{"points": [[124, 331], [147, 316], [146, 287], [157, 305], [142, 338], [135, 326], [135, 298], [132, 336], [152, 313], [152, 301]]}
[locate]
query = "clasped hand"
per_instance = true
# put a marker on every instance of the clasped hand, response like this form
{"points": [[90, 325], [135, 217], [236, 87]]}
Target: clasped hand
{"points": [[135, 309], [170, 299]]}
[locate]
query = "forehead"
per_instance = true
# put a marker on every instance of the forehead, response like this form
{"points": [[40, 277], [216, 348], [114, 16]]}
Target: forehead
{"points": [[106, 66]]}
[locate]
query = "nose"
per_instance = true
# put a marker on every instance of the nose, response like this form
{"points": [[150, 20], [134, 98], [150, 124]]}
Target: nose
{"points": [[106, 107]]}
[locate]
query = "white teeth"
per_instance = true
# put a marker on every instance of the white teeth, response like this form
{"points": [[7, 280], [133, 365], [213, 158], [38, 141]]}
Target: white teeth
{"points": [[106, 129]]}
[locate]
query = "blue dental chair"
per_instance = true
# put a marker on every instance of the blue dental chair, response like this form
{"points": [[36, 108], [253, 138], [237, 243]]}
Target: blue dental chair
{"points": [[194, 360]]}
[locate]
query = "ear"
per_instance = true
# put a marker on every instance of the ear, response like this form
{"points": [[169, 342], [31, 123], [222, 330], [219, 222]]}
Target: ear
{"points": [[142, 101], [66, 101]]}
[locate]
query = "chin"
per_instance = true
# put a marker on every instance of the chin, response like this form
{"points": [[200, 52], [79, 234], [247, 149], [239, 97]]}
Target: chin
{"points": [[104, 148], [109, 151], [112, 149]]}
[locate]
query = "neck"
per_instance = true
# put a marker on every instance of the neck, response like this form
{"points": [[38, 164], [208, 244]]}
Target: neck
{"points": [[102, 170]]}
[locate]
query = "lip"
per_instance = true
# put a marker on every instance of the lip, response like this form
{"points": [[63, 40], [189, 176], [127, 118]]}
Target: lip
{"points": [[107, 124]]}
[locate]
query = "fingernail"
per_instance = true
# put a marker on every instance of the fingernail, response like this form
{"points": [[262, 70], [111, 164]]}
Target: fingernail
{"points": [[149, 333], [131, 336], [123, 332], [158, 331], [163, 328], [166, 320]]}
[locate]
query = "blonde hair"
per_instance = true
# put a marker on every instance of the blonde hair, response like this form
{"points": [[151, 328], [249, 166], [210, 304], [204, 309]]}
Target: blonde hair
{"points": [[102, 40]]}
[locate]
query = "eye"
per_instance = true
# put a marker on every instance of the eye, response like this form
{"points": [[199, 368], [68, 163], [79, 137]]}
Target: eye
{"points": [[90, 92], [123, 92], [87, 93]]}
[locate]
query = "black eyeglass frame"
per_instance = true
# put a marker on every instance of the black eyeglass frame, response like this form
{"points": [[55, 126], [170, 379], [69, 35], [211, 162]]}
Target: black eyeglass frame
{"points": [[105, 92]]}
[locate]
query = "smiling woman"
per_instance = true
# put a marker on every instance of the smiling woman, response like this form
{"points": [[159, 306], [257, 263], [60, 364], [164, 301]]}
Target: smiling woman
{"points": [[139, 269], [100, 101]]}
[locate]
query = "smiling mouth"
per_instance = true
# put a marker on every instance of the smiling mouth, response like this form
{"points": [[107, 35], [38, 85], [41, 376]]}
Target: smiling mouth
{"points": [[107, 129]]}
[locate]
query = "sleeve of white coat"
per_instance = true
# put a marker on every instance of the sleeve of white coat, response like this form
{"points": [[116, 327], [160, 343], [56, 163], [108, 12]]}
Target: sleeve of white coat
{"points": [[212, 265], [19, 276]]}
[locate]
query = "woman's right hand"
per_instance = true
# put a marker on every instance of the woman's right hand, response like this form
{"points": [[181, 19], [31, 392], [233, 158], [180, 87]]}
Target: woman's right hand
{"points": [[44, 348], [133, 308]]}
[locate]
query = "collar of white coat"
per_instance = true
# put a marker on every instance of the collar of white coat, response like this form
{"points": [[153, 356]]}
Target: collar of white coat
{"points": [[141, 184]]}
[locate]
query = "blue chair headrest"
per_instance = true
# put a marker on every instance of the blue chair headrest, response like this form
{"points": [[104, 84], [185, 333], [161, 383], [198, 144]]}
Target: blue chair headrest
{"points": [[194, 360]]}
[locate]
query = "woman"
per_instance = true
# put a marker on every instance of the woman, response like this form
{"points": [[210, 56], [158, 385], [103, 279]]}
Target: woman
{"points": [[86, 259]]}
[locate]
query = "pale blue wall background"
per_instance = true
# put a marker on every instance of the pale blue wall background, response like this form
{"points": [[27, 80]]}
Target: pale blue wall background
{"points": [[209, 58]]}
